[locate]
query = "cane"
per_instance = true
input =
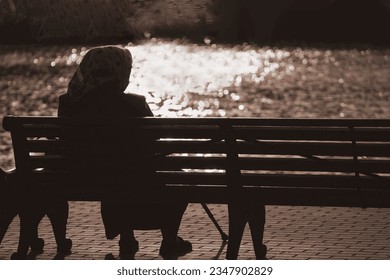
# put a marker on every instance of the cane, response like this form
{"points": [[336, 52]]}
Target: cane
{"points": [[224, 236]]}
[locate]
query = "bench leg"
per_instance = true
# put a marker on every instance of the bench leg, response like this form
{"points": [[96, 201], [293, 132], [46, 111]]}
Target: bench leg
{"points": [[237, 222], [29, 221], [256, 219], [239, 215], [8, 207], [6, 217]]}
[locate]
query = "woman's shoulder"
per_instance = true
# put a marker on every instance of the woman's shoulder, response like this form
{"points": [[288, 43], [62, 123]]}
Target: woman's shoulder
{"points": [[135, 97], [138, 101], [63, 106]]}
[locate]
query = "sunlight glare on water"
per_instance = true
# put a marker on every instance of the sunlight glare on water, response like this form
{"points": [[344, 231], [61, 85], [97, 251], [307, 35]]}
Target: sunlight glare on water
{"points": [[167, 72], [180, 78]]}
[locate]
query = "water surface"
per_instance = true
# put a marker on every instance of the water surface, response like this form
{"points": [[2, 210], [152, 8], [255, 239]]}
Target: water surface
{"points": [[196, 80]]}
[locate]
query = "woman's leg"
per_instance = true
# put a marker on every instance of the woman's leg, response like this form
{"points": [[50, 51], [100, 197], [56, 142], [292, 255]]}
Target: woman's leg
{"points": [[172, 245], [128, 245], [174, 214]]}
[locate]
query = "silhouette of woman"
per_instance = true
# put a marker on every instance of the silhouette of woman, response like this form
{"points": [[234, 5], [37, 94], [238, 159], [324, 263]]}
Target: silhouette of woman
{"points": [[97, 89]]}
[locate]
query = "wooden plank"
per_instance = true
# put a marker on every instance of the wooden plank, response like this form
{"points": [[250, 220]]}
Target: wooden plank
{"points": [[89, 177], [295, 148], [44, 145], [305, 149], [9, 121], [48, 161], [192, 178], [192, 162], [334, 133], [308, 180], [314, 148], [325, 165], [39, 132], [293, 133], [144, 132], [372, 134], [373, 166], [297, 164], [375, 150], [192, 146]]}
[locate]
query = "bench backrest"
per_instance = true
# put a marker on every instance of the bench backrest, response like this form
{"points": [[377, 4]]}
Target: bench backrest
{"points": [[276, 161]]}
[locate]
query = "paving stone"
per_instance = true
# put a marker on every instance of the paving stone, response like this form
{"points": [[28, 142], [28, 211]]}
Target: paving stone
{"points": [[291, 233]]}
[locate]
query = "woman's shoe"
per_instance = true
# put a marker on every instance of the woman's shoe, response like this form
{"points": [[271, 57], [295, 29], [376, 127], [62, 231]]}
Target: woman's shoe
{"points": [[65, 247], [262, 254], [175, 249], [18, 256], [37, 246], [127, 249]]}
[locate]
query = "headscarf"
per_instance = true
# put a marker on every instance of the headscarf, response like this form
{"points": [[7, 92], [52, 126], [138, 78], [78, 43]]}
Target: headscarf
{"points": [[100, 66]]}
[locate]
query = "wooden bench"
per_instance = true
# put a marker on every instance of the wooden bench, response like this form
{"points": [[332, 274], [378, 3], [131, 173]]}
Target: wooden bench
{"points": [[234, 161]]}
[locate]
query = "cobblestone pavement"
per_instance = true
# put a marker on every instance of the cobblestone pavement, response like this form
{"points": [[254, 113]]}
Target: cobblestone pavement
{"points": [[291, 233]]}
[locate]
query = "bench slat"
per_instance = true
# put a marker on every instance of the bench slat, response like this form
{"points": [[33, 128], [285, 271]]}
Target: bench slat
{"points": [[259, 164], [280, 148], [315, 133], [308, 180], [325, 165], [314, 148], [95, 179], [188, 162], [192, 146], [11, 121]]}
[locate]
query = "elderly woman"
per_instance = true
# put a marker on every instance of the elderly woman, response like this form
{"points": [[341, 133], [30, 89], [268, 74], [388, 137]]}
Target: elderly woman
{"points": [[97, 89]]}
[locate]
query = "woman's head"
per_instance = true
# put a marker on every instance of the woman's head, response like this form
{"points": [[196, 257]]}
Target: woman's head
{"points": [[101, 66]]}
